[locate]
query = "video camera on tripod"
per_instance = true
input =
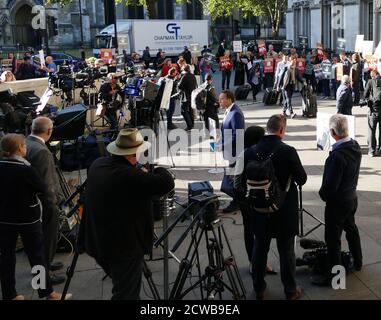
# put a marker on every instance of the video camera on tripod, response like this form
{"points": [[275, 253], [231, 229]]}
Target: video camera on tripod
{"points": [[317, 258]]}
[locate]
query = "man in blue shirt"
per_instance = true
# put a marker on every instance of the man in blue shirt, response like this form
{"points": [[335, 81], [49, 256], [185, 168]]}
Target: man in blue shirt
{"points": [[50, 66]]}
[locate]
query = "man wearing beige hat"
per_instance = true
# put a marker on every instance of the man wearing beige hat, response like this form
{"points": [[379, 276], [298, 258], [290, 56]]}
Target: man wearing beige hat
{"points": [[118, 223]]}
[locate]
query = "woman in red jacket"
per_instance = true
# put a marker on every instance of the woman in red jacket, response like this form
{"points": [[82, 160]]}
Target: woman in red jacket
{"points": [[226, 66]]}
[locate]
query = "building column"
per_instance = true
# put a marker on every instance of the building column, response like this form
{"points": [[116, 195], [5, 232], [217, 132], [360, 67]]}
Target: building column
{"points": [[376, 26], [316, 27]]}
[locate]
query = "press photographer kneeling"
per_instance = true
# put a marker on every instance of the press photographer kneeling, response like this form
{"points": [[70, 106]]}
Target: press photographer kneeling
{"points": [[119, 217]]}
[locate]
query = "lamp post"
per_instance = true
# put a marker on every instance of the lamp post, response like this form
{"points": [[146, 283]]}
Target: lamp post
{"points": [[83, 56], [46, 33], [115, 28]]}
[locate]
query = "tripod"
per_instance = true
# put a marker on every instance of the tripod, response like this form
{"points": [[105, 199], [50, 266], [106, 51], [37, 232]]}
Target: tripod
{"points": [[166, 134], [301, 219], [212, 281]]}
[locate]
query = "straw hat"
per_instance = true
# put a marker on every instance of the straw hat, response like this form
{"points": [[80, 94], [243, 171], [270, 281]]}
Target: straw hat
{"points": [[129, 141]]}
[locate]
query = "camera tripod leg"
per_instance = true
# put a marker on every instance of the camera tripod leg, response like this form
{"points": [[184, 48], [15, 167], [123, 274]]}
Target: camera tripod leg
{"points": [[185, 267], [301, 218], [70, 273], [148, 275], [166, 134], [237, 289]]}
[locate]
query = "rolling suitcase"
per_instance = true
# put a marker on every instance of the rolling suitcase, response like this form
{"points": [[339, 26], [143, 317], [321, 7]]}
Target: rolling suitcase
{"points": [[242, 92], [270, 96], [309, 103]]}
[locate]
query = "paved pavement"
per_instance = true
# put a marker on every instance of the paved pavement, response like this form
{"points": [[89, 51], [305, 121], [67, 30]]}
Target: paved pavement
{"points": [[88, 284]]}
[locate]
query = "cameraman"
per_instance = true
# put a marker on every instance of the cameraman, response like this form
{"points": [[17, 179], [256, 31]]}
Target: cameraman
{"points": [[119, 218], [108, 93], [373, 94], [186, 86]]}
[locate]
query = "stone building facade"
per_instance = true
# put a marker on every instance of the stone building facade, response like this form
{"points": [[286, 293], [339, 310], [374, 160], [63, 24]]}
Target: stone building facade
{"points": [[327, 20], [16, 27]]}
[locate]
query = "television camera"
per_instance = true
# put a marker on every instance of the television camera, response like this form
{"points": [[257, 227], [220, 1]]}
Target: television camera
{"points": [[317, 257]]}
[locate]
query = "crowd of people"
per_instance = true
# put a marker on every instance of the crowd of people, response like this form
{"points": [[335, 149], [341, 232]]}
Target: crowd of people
{"points": [[119, 241]]}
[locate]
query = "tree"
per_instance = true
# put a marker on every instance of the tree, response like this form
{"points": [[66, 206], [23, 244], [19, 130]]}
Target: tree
{"points": [[271, 8]]}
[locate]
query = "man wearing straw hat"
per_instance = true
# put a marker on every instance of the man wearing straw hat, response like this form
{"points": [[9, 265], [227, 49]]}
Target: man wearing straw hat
{"points": [[119, 218]]}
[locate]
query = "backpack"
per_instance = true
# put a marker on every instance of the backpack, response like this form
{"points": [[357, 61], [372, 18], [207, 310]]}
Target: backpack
{"points": [[265, 194], [199, 96]]}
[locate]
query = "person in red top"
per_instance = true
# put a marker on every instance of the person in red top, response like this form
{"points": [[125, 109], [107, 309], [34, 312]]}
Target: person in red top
{"points": [[167, 65], [226, 66]]}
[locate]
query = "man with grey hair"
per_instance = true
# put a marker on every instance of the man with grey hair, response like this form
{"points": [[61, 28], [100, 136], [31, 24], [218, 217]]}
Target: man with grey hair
{"points": [[344, 102], [40, 157], [338, 191]]}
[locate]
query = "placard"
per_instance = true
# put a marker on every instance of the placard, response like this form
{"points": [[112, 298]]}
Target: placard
{"points": [[303, 42], [106, 55], [340, 44], [326, 67], [377, 52], [42, 58], [6, 65], [269, 65], [367, 48], [339, 71], [359, 41], [287, 44], [237, 46], [324, 140], [318, 71], [301, 65]]}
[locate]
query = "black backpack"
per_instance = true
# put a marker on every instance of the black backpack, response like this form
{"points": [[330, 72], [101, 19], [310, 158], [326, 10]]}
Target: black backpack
{"points": [[265, 194], [200, 95]]}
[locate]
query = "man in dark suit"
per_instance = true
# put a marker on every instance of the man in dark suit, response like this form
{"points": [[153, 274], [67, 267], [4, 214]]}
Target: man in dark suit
{"points": [[42, 160], [282, 224], [186, 85], [232, 136], [338, 191], [118, 222], [344, 102]]}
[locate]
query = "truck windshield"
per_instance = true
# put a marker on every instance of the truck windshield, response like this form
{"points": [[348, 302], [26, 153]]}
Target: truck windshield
{"points": [[102, 42]]}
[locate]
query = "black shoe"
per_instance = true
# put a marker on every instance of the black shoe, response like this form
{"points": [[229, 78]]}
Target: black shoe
{"points": [[322, 282], [56, 266], [357, 266], [57, 279]]}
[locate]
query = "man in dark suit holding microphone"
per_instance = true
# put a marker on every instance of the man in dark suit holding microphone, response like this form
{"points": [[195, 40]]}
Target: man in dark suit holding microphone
{"points": [[232, 134]]}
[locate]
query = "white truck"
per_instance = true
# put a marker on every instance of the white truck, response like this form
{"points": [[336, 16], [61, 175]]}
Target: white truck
{"points": [[169, 35]]}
